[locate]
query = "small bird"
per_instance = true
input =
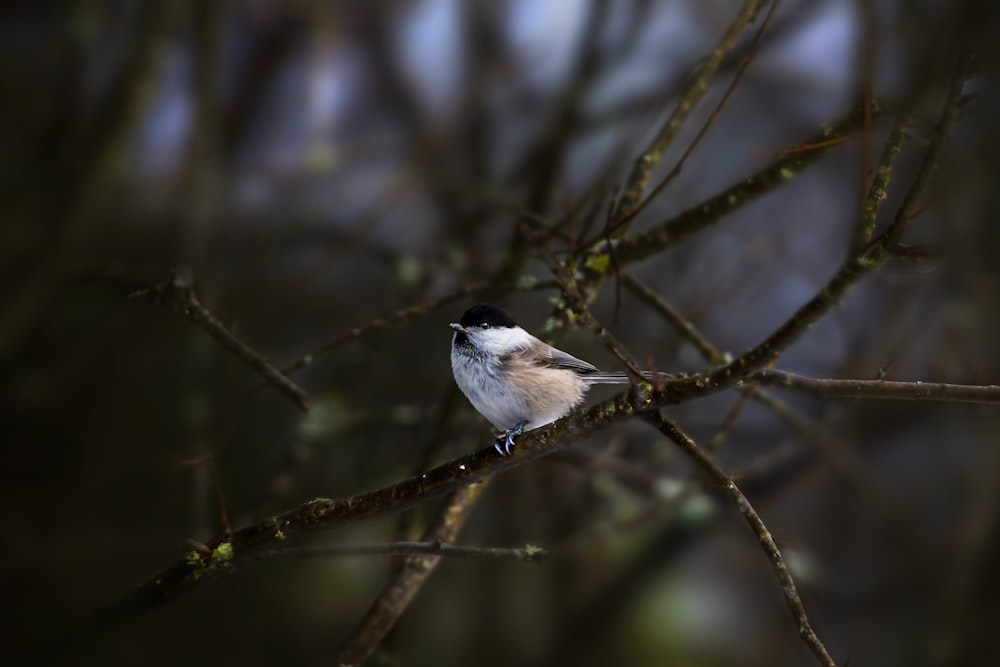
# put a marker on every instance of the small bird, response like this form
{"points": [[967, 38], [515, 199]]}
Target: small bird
{"points": [[515, 380]]}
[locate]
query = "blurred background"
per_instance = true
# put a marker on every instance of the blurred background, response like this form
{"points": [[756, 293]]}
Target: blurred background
{"points": [[318, 165]]}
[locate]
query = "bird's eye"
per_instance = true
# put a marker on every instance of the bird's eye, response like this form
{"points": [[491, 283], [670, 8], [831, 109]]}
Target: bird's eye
{"points": [[484, 325]]}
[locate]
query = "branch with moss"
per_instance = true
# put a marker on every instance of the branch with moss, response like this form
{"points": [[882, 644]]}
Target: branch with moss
{"points": [[877, 190], [222, 553], [871, 258], [199, 566], [464, 471], [595, 263]]}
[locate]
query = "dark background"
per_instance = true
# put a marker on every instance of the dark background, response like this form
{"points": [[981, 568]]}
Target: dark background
{"points": [[317, 165]]}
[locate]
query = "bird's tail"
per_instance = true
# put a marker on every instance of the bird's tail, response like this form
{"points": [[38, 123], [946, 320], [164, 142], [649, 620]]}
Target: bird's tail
{"points": [[619, 377]]}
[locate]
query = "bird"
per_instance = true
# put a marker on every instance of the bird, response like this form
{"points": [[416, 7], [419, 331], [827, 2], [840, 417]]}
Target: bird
{"points": [[513, 379]]}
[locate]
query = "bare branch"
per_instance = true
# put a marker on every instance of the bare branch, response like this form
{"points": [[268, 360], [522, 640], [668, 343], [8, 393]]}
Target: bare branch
{"points": [[850, 465], [527, 554], [843, 459], [906, 391], [949, 112], [681, 325], [408, 313], [788, 587], [407, 580], [177, 292]]}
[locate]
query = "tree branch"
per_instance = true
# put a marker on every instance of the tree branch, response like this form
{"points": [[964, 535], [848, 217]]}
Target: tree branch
{"points": [[692, 94], [843, 459], [877, 191], [792, 599], [407, 580], [526, 284], [675, 171], [199, 566], [670, 232], [935, 150], [527, 554], [177, 292], [906, 391], [461, 472]]}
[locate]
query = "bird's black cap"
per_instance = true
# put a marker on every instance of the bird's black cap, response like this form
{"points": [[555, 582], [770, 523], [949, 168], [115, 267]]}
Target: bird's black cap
{"points": [[485, 313]]}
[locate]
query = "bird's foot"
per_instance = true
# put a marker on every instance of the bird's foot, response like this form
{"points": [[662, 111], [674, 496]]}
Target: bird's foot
{"points": [[505, 440]]}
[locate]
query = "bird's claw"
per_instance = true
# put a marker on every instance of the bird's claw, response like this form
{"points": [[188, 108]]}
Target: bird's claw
{"points": [[505, 440]]}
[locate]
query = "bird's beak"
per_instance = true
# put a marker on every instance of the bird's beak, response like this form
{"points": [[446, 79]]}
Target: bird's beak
{"points": [[457, 327]]}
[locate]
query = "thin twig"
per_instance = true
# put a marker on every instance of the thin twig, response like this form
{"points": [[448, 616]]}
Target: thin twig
{"points": [[408, 313], [852, 467], [935, 150], [177, 292], [729, 487], [527, 554], [906, 391], [729, 420], [613, 344], [577, 304], [876, 193], [681, 325], [635, 185], [867, 64], [737, 77]]}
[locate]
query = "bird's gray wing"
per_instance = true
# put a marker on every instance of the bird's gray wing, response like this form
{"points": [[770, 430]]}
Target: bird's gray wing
{"points": [[558, 359]]}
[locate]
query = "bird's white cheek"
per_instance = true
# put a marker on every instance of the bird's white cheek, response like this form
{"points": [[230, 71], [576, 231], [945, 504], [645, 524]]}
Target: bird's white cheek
{"points": [[503, 340]]}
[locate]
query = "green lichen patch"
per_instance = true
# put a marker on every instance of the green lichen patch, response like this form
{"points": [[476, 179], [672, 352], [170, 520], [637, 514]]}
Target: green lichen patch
{"points": [[223, 553]]}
